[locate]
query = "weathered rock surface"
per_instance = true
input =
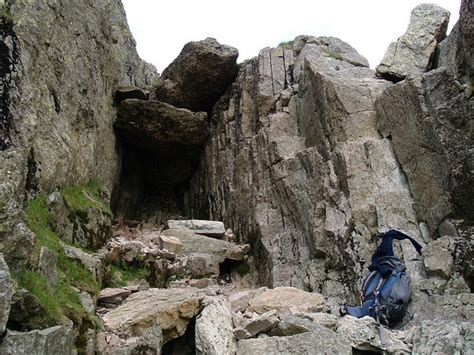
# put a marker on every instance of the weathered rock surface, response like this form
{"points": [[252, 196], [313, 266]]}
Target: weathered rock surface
{"points": [[364, 335], [5, 293], [67, 61], [280, 298], [114, 296], [296, 162], [55, 340], [413, 53], [239, 301], [444, 338], [456, 51], [47, 265], [438, 257], [167, 309], [214, 229], [198, 76], [427, 118], [91, 262], [158, 126], [199, 244], [259, 324], [129, 92], [24, 307], [323, 341], [214, 328], [87, 226], [171, 244]]}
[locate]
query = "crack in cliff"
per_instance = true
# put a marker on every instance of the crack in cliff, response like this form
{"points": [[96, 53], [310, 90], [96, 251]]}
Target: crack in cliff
{"points": [[9, 58]]}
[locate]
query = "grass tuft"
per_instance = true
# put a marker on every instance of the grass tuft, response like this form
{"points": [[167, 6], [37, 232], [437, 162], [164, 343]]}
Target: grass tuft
{"points": [[81, 198]]}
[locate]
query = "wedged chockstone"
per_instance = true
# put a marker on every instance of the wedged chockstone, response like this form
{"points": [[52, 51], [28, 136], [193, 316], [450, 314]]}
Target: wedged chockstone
{"points": [[160, 127], [413, 52], [198, 76], [129, 92]]}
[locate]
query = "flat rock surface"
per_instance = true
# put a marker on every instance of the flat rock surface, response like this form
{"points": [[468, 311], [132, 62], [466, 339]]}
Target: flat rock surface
{"points": [[285, 297], [324, 341], [209, 228], [170, 309]]}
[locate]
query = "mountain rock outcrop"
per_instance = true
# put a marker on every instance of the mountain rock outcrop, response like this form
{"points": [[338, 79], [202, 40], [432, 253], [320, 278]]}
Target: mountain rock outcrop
{"points": [[414, 52], [230, 208]]}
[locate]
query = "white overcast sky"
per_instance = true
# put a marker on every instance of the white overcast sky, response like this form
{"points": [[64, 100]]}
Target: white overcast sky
{"points": [[161, 28]]}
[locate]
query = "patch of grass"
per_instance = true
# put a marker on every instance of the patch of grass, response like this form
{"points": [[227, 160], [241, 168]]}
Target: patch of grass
{"points": [[62, 300], [81, 198], [286, 45], [127, 273]]}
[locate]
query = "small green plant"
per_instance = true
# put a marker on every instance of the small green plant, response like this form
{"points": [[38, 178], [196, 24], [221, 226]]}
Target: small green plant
{"points": [[286, 45], [243, 269], [81, 198], [122, 274]]}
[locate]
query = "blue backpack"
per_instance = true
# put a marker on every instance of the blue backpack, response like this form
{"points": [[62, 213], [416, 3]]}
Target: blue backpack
{"points": [[386, 290]]}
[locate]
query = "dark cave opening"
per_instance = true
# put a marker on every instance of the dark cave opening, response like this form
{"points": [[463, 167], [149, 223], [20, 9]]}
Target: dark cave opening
{"points": [[185, 344], [152, 184]]}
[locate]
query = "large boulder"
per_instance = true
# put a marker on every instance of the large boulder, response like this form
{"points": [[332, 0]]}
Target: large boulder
{"points": [[413, 53], [280, 298], [198, 76], [158, 126], [55, 340], [5, 293], [153, 311], [214, 328]]}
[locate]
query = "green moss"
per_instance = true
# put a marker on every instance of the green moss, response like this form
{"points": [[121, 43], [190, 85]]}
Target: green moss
{"points": [[62, 300], [81, 198], [243, 269], [127, 273], [286, 45]]}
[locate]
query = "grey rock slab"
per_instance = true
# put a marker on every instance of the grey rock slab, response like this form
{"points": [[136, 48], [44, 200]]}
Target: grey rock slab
{"points": [[259, 324], [280, 298], [414, 51], [47, 265], [171, 244], [438, 257], [129, 92], [198, 76], [214, 229], [91, 262], [57, 340], [113, 295], [199, 244], [444, 337], [324, 341], [168, 309], [364, 336], [6, 293], [214, 328], [160, 127], [239, 301]]}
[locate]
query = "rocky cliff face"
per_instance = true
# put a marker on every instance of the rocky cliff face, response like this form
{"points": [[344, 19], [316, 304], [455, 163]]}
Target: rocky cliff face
{"points": [[303, 152], [61, 64]]}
